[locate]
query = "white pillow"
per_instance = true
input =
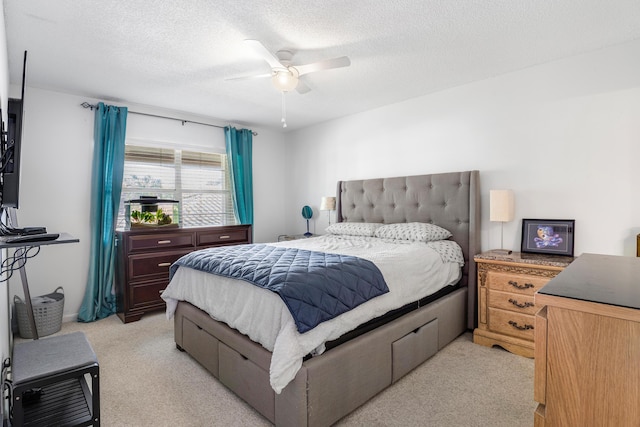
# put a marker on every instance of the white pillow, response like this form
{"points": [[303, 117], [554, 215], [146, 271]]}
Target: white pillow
{"points": [[366, 229], [413, 231]]}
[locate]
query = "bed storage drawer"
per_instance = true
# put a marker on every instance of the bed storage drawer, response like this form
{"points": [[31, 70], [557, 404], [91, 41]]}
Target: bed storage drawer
{"points": [[201, 345], [414, 348], [247, 380]]}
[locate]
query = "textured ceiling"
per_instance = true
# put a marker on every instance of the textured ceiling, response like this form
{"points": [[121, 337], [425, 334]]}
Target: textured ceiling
{"points": [[177, 54]]}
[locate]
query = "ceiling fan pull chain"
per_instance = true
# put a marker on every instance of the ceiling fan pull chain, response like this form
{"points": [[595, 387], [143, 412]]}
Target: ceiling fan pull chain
{"points": [[284, 111]]}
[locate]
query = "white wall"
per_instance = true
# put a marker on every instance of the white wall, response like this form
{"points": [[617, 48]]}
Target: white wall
{"points": [[57, 152], [565, 136]]}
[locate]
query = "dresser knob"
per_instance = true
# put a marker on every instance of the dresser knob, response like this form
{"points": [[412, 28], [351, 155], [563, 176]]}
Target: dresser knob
{"points": [[164, 264], [525, 286], [517, 304], [522, 328], [164, 242], [224, 237]]}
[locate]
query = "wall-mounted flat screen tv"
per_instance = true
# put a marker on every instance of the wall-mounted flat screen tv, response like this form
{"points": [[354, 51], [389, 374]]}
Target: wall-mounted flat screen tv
{"points": [[11, 149]]}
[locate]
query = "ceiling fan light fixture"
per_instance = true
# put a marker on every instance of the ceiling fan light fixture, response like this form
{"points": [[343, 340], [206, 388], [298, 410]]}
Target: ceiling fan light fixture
{"points": [[285, 80]]}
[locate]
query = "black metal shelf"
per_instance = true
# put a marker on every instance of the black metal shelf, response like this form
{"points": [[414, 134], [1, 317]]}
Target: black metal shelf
{"points": [[65, 403]]}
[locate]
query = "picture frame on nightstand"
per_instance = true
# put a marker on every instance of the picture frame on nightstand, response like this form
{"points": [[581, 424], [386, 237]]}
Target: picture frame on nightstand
{"points": [[548, 236]]}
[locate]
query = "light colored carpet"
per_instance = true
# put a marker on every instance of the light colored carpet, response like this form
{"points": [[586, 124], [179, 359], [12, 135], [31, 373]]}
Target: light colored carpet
{"points": [[146, 381]]}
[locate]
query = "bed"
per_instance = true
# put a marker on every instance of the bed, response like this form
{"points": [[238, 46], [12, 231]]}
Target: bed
{"points": [[356, 365]]}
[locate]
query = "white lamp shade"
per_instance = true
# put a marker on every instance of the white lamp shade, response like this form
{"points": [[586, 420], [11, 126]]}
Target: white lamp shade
{"points": [[501, 205], [328, 204]]}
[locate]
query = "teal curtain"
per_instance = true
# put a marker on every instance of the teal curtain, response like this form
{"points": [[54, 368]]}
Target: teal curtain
{"points": [[239, 152], [106, 187]]}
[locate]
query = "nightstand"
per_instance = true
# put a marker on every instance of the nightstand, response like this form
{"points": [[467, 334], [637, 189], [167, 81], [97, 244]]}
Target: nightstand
{"points": [[506, 308]]}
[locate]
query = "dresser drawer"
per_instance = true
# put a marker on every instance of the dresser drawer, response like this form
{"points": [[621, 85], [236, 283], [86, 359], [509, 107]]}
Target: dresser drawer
{"points": [[223, 237], [510, 323], [511, 301], [164, 241], [517, 283], [146, 294], [146, 266]]}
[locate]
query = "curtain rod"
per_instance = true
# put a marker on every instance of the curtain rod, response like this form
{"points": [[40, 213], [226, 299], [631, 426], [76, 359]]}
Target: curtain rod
{"points": [[87, 105]]}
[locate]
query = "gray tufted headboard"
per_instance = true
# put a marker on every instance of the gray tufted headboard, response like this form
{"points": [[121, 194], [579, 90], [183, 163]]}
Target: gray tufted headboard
{"points": [[450, 200]]}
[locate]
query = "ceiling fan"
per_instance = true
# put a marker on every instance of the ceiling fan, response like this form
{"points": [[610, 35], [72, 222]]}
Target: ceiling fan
{"points": [[284, 75]]}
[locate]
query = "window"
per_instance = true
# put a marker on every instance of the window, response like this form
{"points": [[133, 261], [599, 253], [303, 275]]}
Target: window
{"points": [[199, 181]]}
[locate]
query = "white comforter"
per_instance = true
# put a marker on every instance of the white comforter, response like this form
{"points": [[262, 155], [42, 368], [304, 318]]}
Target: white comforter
{"points": [[411, 271]]}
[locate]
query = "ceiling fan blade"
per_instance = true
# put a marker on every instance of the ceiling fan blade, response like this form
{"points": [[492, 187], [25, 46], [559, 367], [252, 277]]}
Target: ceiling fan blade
{"points": [[327, 64], [256, 76], [302, 87], [263, 52]]}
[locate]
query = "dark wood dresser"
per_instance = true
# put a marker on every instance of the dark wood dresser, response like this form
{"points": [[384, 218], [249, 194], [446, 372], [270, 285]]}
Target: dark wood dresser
{"points": [[143, 257]]}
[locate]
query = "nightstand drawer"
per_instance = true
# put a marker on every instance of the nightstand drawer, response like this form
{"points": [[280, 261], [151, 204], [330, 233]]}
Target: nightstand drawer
{"points": [[518, 283], [514, 302], [155, 264], [162, 241], [511, 323]]}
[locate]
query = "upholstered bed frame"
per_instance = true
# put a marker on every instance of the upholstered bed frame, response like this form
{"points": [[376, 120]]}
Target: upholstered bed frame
{"points": [[330, 386]]}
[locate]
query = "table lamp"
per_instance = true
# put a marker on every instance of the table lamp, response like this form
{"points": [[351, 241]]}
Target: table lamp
{"points": [[328, 204], [501, 209]]}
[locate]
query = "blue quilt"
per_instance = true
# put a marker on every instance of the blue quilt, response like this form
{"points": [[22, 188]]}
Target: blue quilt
{"points": [[315, 286]]}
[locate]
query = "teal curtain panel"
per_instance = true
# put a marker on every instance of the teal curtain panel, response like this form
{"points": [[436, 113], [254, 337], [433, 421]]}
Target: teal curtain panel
{"points": [[106, 186], [239, 153]]}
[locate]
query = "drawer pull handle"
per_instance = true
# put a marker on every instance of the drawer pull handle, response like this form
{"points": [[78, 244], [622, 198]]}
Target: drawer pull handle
{"points": [[164, 242], [161, 291], [164, 264], [224, 237], [525, 286], [522, 328], [517, 304]]}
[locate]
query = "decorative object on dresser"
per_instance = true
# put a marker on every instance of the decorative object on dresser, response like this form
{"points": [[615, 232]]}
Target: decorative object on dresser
{"points": [[144, 256], [506, 309], [328, 204], [307, 213], [548, 236], [501, 209], [587, 369]]}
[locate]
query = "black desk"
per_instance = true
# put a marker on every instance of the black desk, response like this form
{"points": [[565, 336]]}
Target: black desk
{"points": [[21, 256]]}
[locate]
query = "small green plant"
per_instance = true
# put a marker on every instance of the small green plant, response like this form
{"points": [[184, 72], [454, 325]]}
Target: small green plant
{"points": [[162, 218]]}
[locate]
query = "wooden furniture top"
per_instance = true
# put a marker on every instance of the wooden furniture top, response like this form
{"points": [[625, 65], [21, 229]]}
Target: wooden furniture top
{"points": [[605, 279], [552, 262]]}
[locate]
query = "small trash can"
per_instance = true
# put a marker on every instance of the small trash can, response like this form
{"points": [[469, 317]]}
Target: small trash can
{"points": [[47, 312]]}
